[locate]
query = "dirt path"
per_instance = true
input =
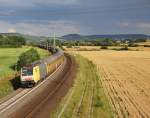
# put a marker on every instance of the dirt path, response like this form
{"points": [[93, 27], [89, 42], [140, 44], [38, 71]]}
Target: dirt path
{"points": [[126, 80]]}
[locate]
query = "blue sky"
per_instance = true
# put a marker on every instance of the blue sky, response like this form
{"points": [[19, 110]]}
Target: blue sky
{"points": [[43, 17]]}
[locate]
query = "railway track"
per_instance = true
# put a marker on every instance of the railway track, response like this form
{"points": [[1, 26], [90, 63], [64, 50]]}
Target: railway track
{"points": [[27, 102], [5, 105]]}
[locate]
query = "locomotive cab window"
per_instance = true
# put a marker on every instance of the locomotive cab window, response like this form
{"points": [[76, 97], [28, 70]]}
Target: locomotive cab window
{"points": [[27, 71]]}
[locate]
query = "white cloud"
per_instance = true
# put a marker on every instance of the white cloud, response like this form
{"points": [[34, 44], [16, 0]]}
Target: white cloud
{"points": [[12, 30], [143, 25], [123, 24], [135, 26], [42, 28]]}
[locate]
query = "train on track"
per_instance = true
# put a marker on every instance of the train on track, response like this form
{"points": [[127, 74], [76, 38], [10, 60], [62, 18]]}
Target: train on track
{"points": [[39, 70]]}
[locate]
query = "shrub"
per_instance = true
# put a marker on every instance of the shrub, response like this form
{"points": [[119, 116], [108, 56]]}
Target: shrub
{"points": [[104, 47], [146, 45], [98, 102], [124, 48], [27, 58], [133, 45], [69, 46]]}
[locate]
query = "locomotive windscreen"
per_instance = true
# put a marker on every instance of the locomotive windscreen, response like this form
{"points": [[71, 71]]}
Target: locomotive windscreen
{"points": [[27, 71]]}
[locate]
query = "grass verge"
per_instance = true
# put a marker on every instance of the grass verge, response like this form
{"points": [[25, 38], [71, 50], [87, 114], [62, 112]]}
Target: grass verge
{"points": [[8, 57], [86, 99]]}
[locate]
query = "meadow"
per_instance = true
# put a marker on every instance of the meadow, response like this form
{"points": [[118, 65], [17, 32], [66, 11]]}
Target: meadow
{"points": [[86, 99], [9, 57]]}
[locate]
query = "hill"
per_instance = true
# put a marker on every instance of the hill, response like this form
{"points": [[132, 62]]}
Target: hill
{"points": [[29, 38], [112, 36], [72, 37]]}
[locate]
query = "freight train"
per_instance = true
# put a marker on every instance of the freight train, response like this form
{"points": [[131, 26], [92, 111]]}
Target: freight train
{"points": [[39, 70]]}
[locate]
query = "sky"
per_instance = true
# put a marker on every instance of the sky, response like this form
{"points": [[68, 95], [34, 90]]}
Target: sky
{"points": [[86, 17]]}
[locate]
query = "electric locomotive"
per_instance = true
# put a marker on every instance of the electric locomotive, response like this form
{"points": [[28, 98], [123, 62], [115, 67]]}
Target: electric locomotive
{"points": [[39, 70]]}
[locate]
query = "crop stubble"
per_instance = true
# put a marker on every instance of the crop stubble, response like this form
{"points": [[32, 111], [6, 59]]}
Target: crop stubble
{"points": [[126, 80]]}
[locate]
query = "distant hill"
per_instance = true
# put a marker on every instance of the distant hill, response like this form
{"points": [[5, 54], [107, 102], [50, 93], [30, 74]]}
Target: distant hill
{"points": [[114, 36], [72, 37], [10, 34], [68, 37], [28, 38], [32, 38]]}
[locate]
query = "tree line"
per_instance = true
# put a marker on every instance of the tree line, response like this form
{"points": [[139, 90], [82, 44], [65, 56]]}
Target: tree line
{"points": [[12, 41], [97, 42]]}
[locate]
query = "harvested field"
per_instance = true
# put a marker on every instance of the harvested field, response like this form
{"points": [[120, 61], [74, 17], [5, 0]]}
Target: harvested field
{"points": [[125, 76]]}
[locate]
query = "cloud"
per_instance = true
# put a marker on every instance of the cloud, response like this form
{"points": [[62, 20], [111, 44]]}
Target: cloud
{"points": [[7, 12], [123, 24], [31, 3], [45, 28], [143, 25], [56, 1], [135, 26], [12, 30]]}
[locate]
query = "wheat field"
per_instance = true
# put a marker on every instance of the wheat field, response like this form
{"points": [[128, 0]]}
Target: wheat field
{"points": [[125, 76]]}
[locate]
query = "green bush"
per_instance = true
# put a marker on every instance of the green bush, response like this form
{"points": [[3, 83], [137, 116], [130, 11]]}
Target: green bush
{"points": [[104, 47], [69, 46], [133, 45], [124, 48], [27, 58]]}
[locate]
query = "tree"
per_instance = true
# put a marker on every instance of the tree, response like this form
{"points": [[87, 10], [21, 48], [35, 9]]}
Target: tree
{"points": [[27, 58], [17, 41], [12, 41], [1, 36], [140, 40]]}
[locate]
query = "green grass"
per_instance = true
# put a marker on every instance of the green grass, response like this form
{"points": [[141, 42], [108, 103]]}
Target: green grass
{"points": [[86, 99], [8, 57]]}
